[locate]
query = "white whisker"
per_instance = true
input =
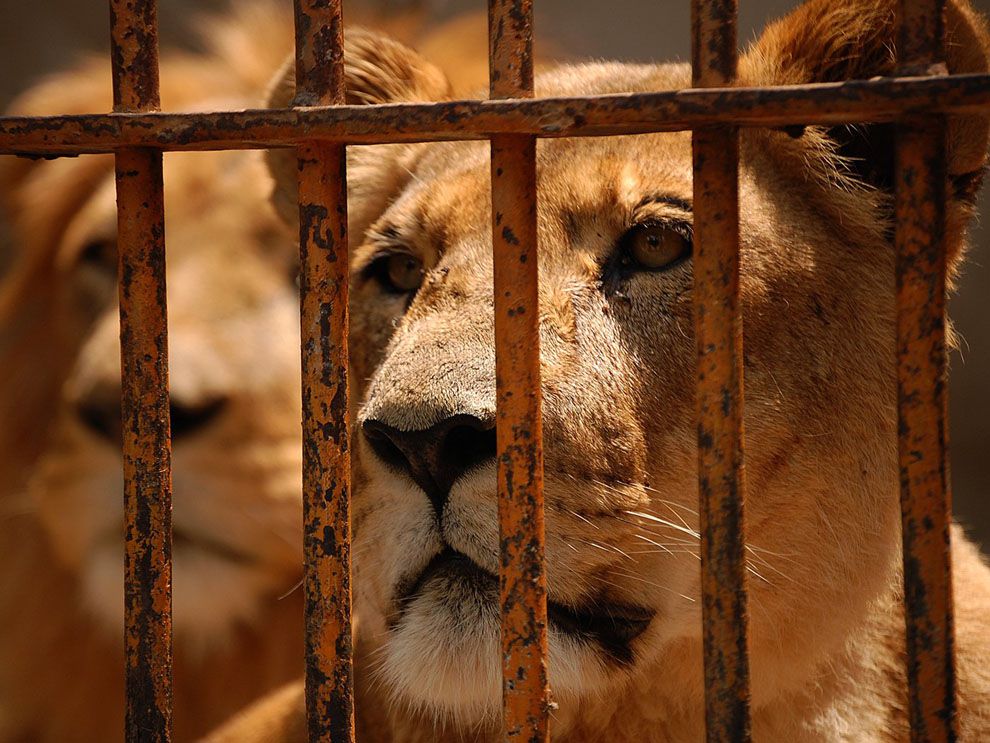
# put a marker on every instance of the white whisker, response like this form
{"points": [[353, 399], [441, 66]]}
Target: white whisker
{"points": [[664, 522], [583, 518], [640, 579]]}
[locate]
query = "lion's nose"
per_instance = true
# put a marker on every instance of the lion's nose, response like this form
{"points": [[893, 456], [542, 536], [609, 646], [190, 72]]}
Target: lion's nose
{"points": [[435, 457], [100, 411]]}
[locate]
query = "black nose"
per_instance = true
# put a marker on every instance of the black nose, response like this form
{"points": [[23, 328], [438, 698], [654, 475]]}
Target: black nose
{"points": [[435, 457], [100, 411]]}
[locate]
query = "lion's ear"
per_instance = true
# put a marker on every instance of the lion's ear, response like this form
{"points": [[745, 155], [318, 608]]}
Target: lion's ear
{"points": [[829, 41], [377, 69]]}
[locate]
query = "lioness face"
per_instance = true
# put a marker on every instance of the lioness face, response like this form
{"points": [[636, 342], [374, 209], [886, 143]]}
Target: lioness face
{"points": [[617, 349], [233, 323], [615, 230], [616, 326]]}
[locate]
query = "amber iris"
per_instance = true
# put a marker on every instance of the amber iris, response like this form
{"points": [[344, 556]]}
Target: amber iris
{"points": [[655, 246]]}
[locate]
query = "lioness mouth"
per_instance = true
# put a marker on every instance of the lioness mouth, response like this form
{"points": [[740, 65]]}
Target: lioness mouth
{"points": [[613, 627]]}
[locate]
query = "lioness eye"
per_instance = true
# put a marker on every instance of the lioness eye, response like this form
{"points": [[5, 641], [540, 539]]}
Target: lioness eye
{"points": [[100, 254], [405, 272], [656, 246], [400, 273]]}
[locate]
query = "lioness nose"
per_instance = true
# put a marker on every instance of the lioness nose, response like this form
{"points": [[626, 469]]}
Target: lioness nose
{"points": [[436, 456], [100, 411]]}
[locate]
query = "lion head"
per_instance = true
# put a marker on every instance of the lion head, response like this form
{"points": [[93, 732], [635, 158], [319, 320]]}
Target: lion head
{"points": [[618, 375]]}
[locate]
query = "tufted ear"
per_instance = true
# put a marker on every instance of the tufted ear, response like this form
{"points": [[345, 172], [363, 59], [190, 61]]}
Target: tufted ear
{"points": [[377, 69], [834, 40]]}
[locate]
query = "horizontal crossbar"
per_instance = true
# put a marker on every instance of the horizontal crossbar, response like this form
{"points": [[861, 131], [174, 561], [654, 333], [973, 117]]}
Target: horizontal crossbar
{"points": [[881, 99]]}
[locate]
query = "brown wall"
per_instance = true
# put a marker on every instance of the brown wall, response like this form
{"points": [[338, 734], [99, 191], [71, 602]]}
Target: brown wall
{"points": [[39, 36]]}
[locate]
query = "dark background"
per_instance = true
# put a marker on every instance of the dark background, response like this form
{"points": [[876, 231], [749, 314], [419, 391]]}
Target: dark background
{"points": [[40, 36]]}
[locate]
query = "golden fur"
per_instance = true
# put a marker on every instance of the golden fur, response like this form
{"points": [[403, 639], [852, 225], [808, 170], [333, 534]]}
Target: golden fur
{"points": [[233, 312], [618, 373]]}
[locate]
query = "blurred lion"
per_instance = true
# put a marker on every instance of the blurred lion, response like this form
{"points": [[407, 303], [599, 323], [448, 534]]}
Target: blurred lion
{"points": [[234, 368]]}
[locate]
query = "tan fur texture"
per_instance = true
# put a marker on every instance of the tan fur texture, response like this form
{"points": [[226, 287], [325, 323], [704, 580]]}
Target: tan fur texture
{"points": [[233, 311], [618, 374]]}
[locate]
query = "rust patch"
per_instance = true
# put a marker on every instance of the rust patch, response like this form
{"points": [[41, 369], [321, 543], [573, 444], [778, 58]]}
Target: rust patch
{"points": [[519, 426], [880, 100], [323, 294], [718, 336], [922, 393], [134, 54], [146, 446], [922, 433], [146, 436]]}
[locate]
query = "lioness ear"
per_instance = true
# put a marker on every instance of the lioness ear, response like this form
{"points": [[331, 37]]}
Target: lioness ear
{"points": [[833, 40], [377, 69]]}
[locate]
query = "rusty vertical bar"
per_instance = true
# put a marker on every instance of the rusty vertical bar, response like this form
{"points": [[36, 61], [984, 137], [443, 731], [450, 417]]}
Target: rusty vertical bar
{"points": [[922, 394], [718, 334], [146, 441], [522, 578], [323, 293]]}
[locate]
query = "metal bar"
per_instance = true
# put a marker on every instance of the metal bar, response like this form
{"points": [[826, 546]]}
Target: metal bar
{"points": [[522, 577], [880, 100], [922, 392], [323, 294], [147, 454], [718, 334]]}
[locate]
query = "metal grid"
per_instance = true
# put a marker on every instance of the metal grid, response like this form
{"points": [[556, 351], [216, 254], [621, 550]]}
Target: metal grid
{"points": [[320, 127]]}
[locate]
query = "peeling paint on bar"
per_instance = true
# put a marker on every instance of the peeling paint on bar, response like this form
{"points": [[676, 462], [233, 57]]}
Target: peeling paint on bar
{"points": [[718, 336], [519, 428], [146, 443], [880, 100], [134, 54], [326, 438], [922, 391]]}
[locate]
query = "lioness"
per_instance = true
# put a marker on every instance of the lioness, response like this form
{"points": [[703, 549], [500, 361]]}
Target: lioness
{"points": [[615, 225]]}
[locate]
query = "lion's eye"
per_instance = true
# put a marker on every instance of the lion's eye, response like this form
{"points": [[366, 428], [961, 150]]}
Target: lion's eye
{"points": [[400, 273], [654, 246], [405, 272], [100, 254]]}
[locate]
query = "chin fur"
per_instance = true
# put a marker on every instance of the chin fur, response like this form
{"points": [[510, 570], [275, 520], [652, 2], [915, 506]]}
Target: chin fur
{"points": [[441, 660]]}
